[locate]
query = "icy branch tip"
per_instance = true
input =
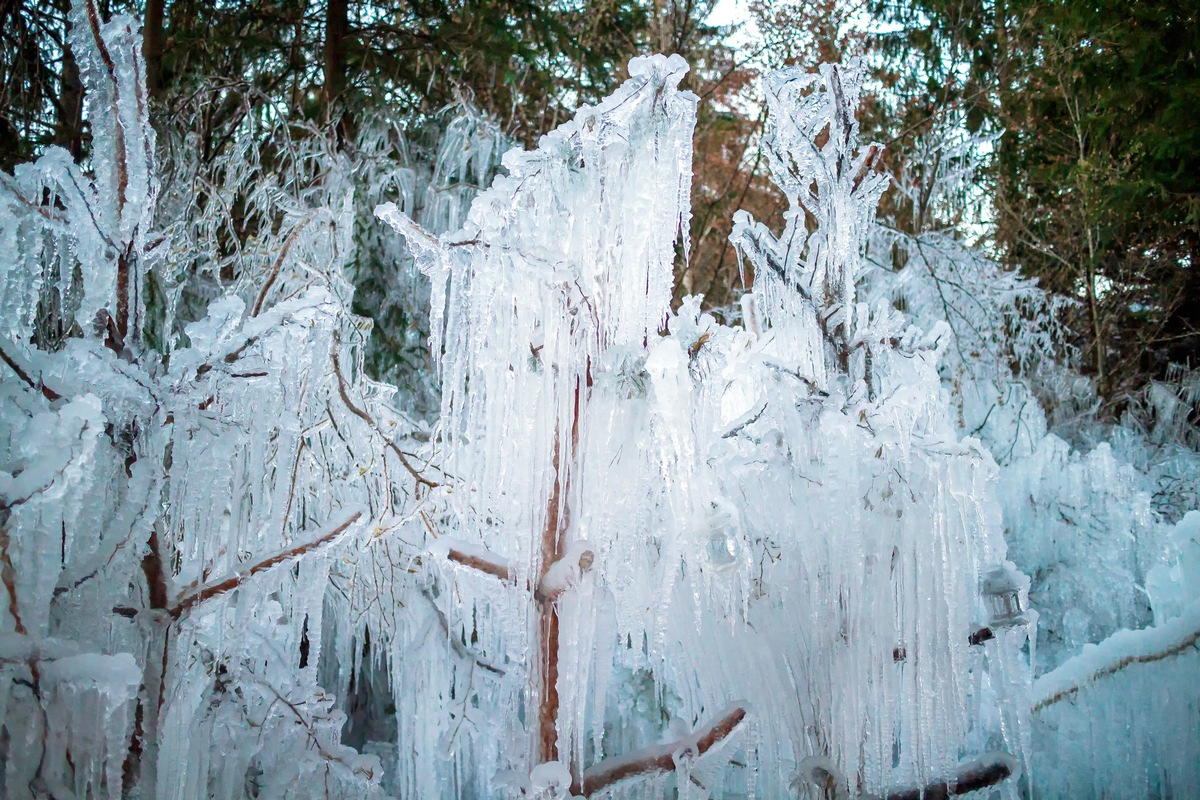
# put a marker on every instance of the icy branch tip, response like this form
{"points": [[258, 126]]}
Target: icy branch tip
{"points": [[660, 70]]}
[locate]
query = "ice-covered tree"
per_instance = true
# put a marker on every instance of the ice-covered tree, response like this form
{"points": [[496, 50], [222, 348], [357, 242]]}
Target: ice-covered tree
{"points": [[773, 528], [171, 520], [640, 553]]}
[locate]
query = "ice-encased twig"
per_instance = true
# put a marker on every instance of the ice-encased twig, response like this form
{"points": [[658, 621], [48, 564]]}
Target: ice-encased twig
{"points": [[199, 595]]}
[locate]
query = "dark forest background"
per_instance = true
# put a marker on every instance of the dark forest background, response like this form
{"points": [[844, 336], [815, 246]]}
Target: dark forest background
{"points": [[1090, 180]]}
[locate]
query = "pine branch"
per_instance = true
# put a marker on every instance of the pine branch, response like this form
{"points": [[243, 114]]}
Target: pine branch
{"points": [[658, 758]]}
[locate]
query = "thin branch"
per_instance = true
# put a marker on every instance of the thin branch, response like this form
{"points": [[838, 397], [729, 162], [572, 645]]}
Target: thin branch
{"points": [[458, 647], [344, 393], [188, 602], [278, 265], [659, 758], [8, 574]]}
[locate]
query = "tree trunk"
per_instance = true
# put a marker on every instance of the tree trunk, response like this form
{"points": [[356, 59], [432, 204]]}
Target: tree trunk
{"points": [[153, 37], [69, 130], [336, 26]]}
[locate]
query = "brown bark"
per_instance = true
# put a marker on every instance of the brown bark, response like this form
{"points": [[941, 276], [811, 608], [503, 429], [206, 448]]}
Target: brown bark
{"points": [[546, 679], [198, 596], [552, 546], [153, 38], [980, 774], [336, 27], [68, 133], [660, 758]]}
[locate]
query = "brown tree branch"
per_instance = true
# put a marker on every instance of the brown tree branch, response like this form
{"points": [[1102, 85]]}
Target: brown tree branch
{"points": [[488, 564], [658, 758], [46, 391], [188, 602], [986, 771], [344, 393]]}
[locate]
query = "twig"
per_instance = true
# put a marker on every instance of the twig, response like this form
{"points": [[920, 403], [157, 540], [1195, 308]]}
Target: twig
{"points": [[343, 392], [186, 603], [658, 758], [278, 264], [458, 647]]}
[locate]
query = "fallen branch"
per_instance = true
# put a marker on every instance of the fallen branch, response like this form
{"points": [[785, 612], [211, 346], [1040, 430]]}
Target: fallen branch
{"points": [[988, 770], [658, 758], [189, 601]]}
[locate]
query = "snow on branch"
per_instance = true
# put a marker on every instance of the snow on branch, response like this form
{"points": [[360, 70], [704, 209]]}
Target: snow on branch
{"points": [[1121, 650], [661, 757], [480, 559], [560, 576]]}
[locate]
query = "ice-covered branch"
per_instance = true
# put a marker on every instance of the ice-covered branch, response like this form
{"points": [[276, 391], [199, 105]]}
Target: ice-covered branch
{"points": [[988, 770], [9, 576], [481, 560], [659, 758], [362, 414], [457, 646], [1118, 652], [189, 601], [563, 573], [37, 385]]}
